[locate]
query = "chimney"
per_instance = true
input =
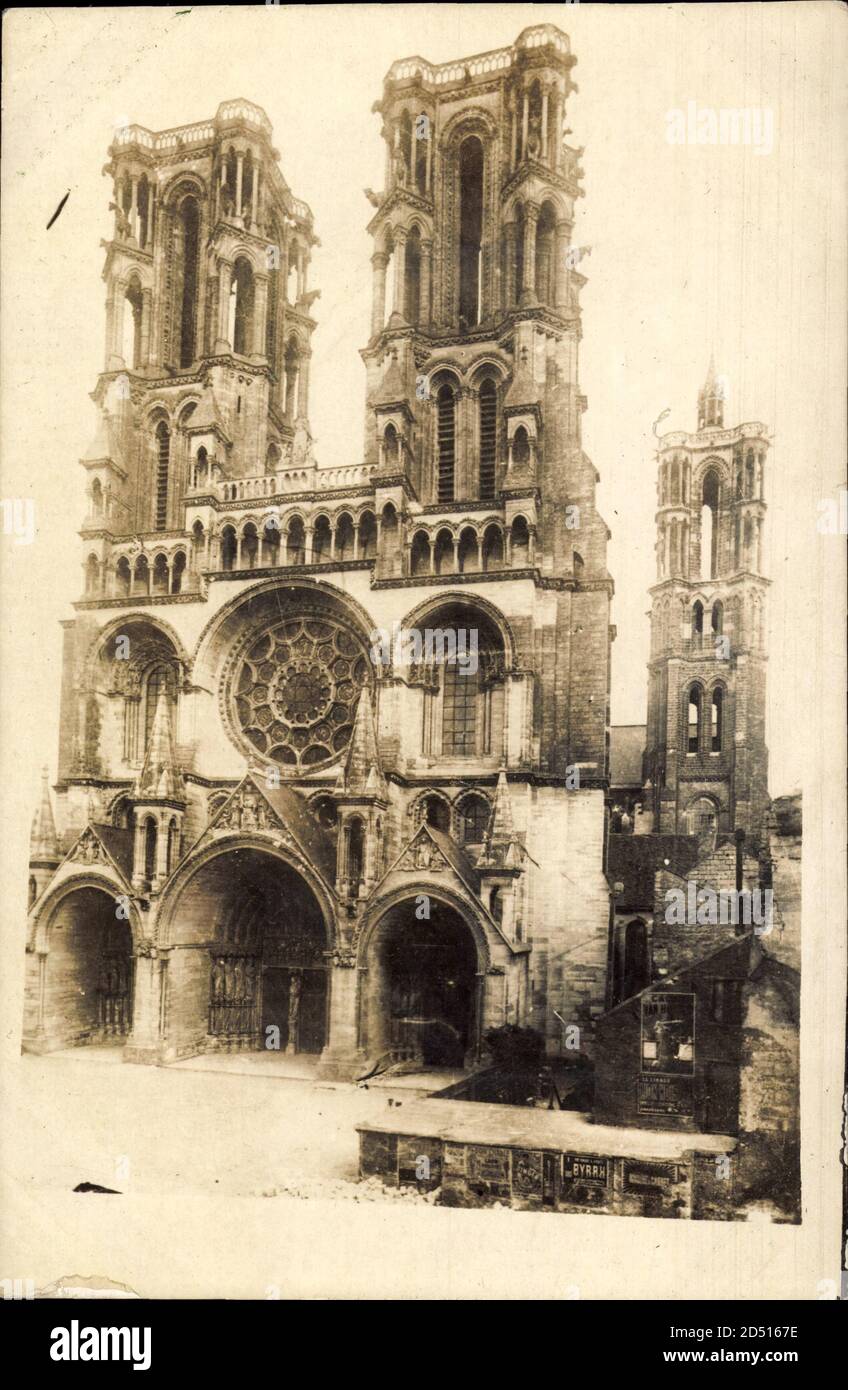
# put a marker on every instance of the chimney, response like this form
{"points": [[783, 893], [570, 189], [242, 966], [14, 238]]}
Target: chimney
{"points": [[740, 841]]}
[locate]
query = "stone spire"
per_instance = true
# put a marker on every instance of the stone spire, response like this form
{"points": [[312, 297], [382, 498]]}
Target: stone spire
{"points": [[160, 779], [43, 840], [523, 391], [207, 419], [101, 446], [392, 390], [501, 826], [362, 774], [711, 400], [501, 847]]}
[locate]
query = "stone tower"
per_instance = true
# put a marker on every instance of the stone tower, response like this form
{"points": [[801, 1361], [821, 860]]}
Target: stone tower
{"points": [[474, 404], [208, 332], [706, 762]]}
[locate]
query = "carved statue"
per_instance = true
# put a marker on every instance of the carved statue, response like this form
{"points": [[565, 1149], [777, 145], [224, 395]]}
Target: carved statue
{"points": [[218, 981], [423, 854], [302, 447], [295, 990], [122, 222], [534, 138], [88, 850]]}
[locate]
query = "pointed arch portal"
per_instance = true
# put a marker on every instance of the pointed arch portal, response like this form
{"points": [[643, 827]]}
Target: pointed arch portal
{"points": [[422, 994], [82, 992], [262, 961]]}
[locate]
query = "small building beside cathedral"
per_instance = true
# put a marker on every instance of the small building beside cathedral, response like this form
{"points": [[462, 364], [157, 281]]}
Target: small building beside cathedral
{"points": [[701, 1030]]}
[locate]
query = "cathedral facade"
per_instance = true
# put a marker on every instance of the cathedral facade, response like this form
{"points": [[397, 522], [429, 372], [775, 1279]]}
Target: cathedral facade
{"points": [[333, 750]]}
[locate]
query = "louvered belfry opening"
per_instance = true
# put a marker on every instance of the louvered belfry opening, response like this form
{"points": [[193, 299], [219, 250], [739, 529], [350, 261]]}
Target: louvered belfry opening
{"points": [[446, 430], [488, 439]]}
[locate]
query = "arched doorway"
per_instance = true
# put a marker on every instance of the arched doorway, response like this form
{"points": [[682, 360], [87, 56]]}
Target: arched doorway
{"points": [[422, 985], [635, 974], [88, 972], [261, 981], [701, 816]]}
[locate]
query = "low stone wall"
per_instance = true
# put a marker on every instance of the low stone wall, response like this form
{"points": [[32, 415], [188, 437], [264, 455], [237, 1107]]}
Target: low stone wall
{"points": [[477, 1175]]}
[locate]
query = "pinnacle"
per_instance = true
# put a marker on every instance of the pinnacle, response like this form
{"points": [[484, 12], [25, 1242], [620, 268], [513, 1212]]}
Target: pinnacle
{"points": [[44, 842], [160, 778]]}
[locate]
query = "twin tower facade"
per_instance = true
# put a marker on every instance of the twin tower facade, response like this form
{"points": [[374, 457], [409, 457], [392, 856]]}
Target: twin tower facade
{"points": [[273, 828]]}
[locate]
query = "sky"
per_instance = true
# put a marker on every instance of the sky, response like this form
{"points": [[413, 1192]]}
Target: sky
{"points": [[695, 249]]}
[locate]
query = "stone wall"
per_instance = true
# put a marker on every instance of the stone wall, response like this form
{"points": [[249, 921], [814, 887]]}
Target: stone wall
{"points": [[568, 912], [785, 850], [676, 946], [481, 1175]]}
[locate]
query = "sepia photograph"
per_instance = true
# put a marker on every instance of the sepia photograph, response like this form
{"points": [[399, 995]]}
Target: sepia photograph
{"points": [[423, 654]]}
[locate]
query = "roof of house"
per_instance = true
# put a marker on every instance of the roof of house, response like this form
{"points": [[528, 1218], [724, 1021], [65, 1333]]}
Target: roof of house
{"points": [[743, 946], [633, 860]]}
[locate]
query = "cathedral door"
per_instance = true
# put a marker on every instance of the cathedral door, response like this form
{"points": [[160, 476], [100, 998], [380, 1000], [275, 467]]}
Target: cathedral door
{"points": [[115, 985], [276, 986], [312, 1021]]}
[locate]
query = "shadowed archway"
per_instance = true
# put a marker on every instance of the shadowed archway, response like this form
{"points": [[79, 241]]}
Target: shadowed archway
{"points": [[248, 968], [422, 992], [81, 987]]}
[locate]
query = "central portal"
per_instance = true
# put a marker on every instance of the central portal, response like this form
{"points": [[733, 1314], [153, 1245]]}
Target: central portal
{"points": [[267, 966]]}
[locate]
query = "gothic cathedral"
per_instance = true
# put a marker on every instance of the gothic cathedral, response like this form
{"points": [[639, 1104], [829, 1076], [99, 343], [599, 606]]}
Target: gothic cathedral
{"points": [[333, 747]]}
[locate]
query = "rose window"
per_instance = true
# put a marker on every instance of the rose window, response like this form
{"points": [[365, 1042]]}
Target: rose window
{"points": [[295, 690]]}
